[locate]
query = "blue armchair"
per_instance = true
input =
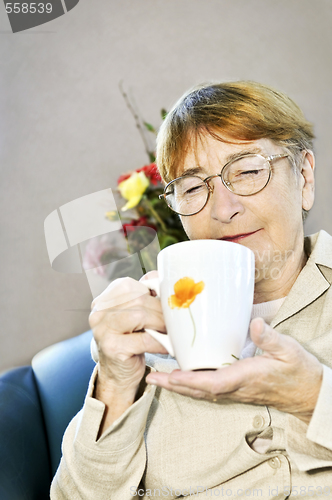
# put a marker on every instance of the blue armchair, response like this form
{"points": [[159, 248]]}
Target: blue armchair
{"points": [[36, 404]]}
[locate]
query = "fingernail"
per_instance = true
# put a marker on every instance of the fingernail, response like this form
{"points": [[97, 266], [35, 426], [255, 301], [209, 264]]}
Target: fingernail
{"points": [[151, 381]]}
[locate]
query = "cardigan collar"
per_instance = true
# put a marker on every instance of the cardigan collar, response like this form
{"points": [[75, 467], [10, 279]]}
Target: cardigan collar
{"points": [[314, 279]]}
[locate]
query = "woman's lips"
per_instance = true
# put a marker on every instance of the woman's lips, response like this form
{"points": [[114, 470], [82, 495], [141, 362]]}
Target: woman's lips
{"points": [[238, 237]]}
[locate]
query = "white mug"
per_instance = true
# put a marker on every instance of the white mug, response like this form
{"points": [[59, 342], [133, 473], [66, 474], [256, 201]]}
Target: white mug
{"points": [[206, 289]]}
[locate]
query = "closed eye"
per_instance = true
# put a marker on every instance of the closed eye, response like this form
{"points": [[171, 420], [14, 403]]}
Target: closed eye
{"points": [[194, 189], [246, 172], [249, 172]]}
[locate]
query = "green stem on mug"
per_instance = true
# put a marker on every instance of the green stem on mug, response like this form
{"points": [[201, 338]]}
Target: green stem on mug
{"points": [[192, 319]]}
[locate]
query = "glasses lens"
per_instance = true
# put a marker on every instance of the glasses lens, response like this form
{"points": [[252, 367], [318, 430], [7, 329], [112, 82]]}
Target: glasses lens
{"points": [[247, 175], [187, 195]]}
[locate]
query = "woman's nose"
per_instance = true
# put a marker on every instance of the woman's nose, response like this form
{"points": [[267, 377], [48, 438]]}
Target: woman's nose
{"points": [[224, 204]]}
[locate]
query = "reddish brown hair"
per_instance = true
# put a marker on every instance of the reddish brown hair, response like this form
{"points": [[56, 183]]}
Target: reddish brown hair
{"points": [[242, 110]]}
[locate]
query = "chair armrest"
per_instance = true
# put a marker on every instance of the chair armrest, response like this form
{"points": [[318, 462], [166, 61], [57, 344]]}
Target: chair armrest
{"points": [[25, 470], [62, 374]]}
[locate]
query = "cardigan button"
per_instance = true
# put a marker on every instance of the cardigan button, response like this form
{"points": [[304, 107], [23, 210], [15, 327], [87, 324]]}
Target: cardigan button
{"points": [[275, 463], [258, 422]]}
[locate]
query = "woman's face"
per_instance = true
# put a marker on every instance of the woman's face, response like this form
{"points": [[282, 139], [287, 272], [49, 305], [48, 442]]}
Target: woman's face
{"points": [[269, 222]]}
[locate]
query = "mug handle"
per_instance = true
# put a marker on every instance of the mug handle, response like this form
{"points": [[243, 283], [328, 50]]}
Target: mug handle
{"points": [[153, 284]]}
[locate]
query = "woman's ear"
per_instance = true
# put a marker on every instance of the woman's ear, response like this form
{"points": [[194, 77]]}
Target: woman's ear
{"points": [[307, 167]]}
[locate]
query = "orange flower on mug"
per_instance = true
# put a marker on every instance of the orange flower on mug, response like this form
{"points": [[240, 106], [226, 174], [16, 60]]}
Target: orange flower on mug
{"points": [[186, 291]]}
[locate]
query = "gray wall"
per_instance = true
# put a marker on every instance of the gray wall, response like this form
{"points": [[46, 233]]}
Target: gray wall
{"points": [[65, 130]]}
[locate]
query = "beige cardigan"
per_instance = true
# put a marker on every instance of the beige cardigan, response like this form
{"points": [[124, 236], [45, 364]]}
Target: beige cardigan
{"points": [[175, 446]]}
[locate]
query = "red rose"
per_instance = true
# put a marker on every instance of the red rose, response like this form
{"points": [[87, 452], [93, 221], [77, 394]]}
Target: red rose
{"points": [[142, 221], [124, 177], [151, 173]]}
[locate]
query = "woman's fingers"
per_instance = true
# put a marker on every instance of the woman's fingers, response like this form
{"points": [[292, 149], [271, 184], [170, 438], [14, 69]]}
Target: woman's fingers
{"points": [[120, 292], [140, 313]]}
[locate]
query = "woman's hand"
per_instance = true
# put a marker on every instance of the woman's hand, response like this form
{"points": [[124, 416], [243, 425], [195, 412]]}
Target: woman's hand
{"points": [[286, 376], [118, 318]]}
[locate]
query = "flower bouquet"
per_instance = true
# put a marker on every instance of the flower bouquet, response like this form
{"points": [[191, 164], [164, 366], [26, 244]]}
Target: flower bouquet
{"points": [[148, 225]]}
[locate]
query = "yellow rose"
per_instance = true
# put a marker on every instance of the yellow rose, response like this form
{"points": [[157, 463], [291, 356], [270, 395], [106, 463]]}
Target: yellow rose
{"points": [[132, 189]]}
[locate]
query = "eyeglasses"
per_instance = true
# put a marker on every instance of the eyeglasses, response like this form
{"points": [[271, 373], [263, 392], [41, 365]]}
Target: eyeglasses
{"points": [[244, 176]]}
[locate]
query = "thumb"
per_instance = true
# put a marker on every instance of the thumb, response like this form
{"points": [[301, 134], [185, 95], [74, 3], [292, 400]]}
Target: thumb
{"points": [[266, 338]]}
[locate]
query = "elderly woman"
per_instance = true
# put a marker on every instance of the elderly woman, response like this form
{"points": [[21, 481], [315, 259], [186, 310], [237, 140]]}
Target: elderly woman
{"points": [[258, 428]]}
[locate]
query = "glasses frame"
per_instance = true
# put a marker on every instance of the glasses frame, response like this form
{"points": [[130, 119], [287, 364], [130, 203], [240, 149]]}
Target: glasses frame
{"points": [[210, 188]]}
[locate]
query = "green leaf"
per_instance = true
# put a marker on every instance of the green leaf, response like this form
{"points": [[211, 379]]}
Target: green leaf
{"points": [[165, 240], [152, 157], [153, 200], [163, 113], [150, 127], [178, 234]]}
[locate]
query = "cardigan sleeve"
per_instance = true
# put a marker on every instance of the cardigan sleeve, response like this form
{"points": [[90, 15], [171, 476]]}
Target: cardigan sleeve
{"points": [[310, 446], [113, 465]]}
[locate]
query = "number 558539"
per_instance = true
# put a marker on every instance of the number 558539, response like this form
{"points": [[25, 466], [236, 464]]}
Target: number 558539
{"points": [[30, 8]]}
